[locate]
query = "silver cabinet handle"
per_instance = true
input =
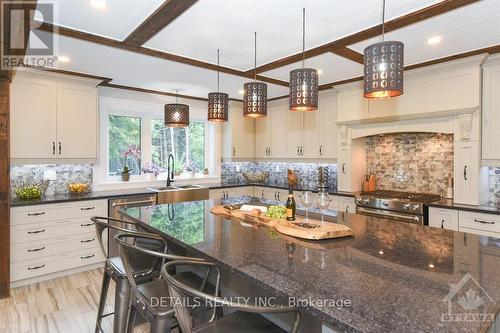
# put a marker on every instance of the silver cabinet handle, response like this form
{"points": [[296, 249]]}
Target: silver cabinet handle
{"points": [[36, 231], [484, 221], [302, 150], [320, 150], [87, 208], [465, 172], [117, 204], [37, 249], [86, 224], [279, 196], [343, 168], [298, 150], [234, 151], [263, 193], [87, 240], [36, 214], [87, 257], [60, 148], [53, 147], [269, 151], [36, 267], [442, 224]]}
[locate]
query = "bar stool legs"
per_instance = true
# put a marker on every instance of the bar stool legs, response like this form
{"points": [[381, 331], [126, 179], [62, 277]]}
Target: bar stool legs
{"points": [[122, 299], [102, 301]]}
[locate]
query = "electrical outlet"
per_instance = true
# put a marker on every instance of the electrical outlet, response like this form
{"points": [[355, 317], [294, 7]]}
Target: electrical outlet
{"points": [[277, 168], [49, 175], [237, 168]]}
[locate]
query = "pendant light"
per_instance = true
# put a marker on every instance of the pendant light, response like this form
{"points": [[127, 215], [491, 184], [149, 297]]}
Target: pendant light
{"points": [[255, 94], [303, 81], [383, 67], [218, 103], [176, 115]]}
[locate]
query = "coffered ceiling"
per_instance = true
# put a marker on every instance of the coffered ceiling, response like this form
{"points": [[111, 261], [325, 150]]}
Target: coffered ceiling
{"points": [[195, 31]]}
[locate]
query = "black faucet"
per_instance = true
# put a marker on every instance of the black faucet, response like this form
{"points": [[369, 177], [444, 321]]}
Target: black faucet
{"points": [[170, 170]]}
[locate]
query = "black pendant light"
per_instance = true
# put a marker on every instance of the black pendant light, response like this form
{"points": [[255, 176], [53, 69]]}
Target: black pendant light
{"points": [[218, 103], [255, 94], [383, 67], [176, 115], [303, 81]]}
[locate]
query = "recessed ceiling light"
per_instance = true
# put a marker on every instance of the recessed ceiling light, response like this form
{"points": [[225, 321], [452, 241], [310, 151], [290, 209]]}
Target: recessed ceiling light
{"points": [[99, 4], [241, 91], [434, 40], [62, 58], [319, 71]]}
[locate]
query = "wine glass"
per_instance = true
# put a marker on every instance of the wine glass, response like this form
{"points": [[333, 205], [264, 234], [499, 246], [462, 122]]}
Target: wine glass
{"points": [[306, 200], [323, 203]]}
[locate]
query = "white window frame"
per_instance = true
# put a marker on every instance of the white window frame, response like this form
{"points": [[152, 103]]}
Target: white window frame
{"points": [[147, 112]]}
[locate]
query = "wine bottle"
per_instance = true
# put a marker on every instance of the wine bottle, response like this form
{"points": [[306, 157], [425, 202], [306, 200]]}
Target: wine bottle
{"points": [[290, 207]]}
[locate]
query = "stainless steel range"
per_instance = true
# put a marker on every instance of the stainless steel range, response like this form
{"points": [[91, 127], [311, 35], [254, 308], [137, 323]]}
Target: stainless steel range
{"points": [[402, 206]]}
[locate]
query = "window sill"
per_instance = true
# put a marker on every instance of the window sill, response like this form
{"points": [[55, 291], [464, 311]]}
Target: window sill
{"points": [[140, 183]]}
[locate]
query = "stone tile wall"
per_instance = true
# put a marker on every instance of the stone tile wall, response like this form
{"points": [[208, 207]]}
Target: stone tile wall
{"points": [[494, 185], [307, 173], [418, 162], [65, 174]]}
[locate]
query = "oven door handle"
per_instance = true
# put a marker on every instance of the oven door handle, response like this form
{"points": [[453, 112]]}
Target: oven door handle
{"points": [[383, 213], [117, 204]]}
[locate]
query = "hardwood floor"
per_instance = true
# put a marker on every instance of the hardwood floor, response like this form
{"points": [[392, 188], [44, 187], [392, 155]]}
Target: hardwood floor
{"points": [[62, 305]]}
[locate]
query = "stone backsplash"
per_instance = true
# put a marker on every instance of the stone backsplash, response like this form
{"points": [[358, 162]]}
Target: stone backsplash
{"points": [[307, 173], [417, 162], [494, 185], [64, 174]]}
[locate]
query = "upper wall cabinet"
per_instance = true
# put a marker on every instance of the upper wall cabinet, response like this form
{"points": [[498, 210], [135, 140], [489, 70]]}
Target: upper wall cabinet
{"points": [[270, 140], [238, 134], [491, 109], [438, 89], [53, 117]]}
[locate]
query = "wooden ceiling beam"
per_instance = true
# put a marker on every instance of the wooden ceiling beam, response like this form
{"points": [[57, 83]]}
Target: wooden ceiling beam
{"points": [[153, 53], [163, 16], [397, 23], [349, 53]]}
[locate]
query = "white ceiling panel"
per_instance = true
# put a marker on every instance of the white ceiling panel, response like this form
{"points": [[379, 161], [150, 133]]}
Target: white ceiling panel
{"points": [[137, 70], [116, 20], [230, 24], [472, 27], [333, 68]]}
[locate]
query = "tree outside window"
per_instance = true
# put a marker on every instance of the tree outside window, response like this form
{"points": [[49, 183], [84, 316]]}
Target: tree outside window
{"points": [[124, 131], [186, 144]]}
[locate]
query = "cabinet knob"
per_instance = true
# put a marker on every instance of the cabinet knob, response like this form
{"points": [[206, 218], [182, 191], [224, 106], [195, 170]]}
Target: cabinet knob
{"points": [[234, 151], [442, 223], [53, 147], [320, 150], [60, 148], [343, 168], [465, 172]]}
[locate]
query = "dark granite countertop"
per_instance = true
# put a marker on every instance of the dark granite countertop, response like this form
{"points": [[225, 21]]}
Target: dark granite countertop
{"points": [[396, 276], [448, 203], [66, 197]]}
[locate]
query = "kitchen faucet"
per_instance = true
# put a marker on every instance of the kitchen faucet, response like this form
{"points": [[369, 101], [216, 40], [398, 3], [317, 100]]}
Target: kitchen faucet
{"points": [[170, 170]]}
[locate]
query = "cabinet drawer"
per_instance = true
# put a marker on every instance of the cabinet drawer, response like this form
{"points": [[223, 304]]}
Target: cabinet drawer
{"points": [[484, 223], [48, 230], [36, 267], [54, 212], [443, 218], [51, 247]]}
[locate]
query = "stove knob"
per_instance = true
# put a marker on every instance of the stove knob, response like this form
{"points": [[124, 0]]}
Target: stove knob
{"points": [[359, 200], [366, 201], [406, 206], [385, 203], [416, 207]]}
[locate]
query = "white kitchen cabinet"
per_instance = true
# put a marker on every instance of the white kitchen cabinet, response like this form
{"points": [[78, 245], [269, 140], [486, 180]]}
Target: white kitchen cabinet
{"points": [[351, 104], [351, 166], [53, 238], [53, 117], [294, 134], [312, 135], [346, 204], [443, 218], [479, 223], [466, 172], [270, 136], [328, 117], [230, 192], [491, 110], [238, 134]]}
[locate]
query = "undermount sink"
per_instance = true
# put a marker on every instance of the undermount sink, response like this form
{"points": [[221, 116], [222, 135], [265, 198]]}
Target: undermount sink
{"points": [[180, 193]]}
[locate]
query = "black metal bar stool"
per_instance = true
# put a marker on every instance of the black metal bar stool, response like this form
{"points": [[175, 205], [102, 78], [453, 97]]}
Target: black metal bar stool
{"points": [[151, 300], [144, 267], [246, 320]]}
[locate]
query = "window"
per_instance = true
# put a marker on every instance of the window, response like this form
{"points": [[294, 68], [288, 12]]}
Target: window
{"points": [[124, 132], [185, 144]]}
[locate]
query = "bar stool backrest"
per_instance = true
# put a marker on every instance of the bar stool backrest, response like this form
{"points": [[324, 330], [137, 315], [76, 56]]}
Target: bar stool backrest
{"points": [[182, 296], [105, 223]]}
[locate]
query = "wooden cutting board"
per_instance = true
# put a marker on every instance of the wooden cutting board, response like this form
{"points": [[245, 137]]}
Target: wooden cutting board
{"points": [[301, 228]]}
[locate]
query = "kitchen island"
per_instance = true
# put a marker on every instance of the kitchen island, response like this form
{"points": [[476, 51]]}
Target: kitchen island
{"points": [[389, 277]]}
